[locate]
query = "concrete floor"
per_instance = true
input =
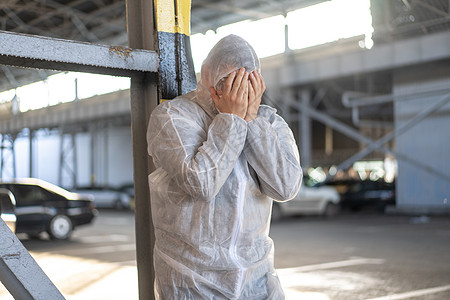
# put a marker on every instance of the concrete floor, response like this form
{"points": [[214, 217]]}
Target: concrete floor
{"points": [[365, 256], [352, 256]]}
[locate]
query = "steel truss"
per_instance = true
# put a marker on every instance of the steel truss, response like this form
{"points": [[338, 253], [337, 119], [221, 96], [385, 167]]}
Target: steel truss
{"points": [[22, 50], [307, 112]]}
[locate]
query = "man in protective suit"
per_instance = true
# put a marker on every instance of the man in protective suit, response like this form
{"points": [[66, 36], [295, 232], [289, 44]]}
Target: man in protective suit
{"points": [[221, 158]]}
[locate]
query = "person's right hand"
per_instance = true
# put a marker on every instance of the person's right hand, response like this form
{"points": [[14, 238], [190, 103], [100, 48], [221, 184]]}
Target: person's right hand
{"points": [[233, 98]]}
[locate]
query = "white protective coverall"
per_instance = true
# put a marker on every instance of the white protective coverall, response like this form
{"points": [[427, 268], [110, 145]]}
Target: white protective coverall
{"points": [[212, 191]]}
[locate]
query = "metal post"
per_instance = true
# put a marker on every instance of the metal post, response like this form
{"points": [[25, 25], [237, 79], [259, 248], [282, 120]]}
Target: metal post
{"points": [[61, 157], [30, 141], [93, 147], [144, 97], [13, 141], [1, 155], [305, 130], [76, 90], [67, 168], [286, 36], [74, 161], [176, 70], [105, 156], [328, 140]]}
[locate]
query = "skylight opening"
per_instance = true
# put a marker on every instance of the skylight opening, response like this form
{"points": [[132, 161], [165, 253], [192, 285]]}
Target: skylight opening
{"points": [[330, 21]]}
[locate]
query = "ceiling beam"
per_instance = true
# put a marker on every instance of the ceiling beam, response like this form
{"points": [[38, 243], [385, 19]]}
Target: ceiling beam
{"points": [[252, 13], [433, 9], [22, 50]]}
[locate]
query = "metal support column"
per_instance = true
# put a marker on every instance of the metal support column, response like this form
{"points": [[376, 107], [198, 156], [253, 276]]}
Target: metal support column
{"points": [[7, 147], [74, 160], [30, 142], [176, 77], [106, 156], [93, 133], [67, 159], [328, 140], [305, 126], [144, 97], [13, 152], [176, 69], [1, 156]]}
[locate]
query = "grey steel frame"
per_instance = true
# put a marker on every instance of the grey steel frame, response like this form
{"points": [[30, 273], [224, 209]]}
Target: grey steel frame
{"points": [[140, 63]]}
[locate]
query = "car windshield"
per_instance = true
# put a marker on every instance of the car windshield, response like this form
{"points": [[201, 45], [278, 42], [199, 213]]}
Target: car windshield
{"points": [[56, 189]]}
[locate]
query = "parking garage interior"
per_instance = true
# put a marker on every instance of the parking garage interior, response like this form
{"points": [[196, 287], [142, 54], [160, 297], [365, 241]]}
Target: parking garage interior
{"points": [[358, 104]]}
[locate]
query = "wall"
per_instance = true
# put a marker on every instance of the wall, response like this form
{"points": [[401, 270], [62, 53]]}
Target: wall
{"points": [[423, 189], [112, 153]]}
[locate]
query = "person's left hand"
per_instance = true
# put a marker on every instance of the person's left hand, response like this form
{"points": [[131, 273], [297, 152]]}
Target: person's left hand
{"points": [[256, 89]]}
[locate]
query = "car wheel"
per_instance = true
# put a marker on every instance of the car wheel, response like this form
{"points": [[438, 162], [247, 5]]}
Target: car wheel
{"points": [[331, 210], [60, 227], [276, 212]]}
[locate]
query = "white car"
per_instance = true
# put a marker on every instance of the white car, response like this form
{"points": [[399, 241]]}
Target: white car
{"points": [[106, 197], [310, 200]]}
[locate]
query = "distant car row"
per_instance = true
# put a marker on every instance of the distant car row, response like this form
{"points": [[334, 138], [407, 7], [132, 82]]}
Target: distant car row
{"points": [[109, 197], [329, 197], [360, 194], [34, 206]]}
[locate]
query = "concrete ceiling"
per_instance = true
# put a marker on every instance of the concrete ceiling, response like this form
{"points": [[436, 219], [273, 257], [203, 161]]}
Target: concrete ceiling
{"points": [[104, 21]]}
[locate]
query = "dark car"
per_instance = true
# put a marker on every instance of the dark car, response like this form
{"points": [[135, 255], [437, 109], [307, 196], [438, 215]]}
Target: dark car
{"points": [[359, 194], [7, 208], [44, 207]]}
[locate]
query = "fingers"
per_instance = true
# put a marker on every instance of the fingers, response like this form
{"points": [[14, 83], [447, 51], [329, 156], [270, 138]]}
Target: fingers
{"points": [[257, 81], [237, 84], [263, 83], [242, 92], [256, 87], [214, 95], [251, 93], [253, 79], [229, 83]]}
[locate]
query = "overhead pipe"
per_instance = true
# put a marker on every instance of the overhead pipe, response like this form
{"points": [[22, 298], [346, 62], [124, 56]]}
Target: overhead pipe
{"points": [[353, 100]]}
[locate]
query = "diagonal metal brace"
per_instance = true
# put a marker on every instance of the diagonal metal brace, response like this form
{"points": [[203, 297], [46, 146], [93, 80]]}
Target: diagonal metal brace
{"points": [[373, 145], [22, 50], [378, 144], [20, 273]]}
